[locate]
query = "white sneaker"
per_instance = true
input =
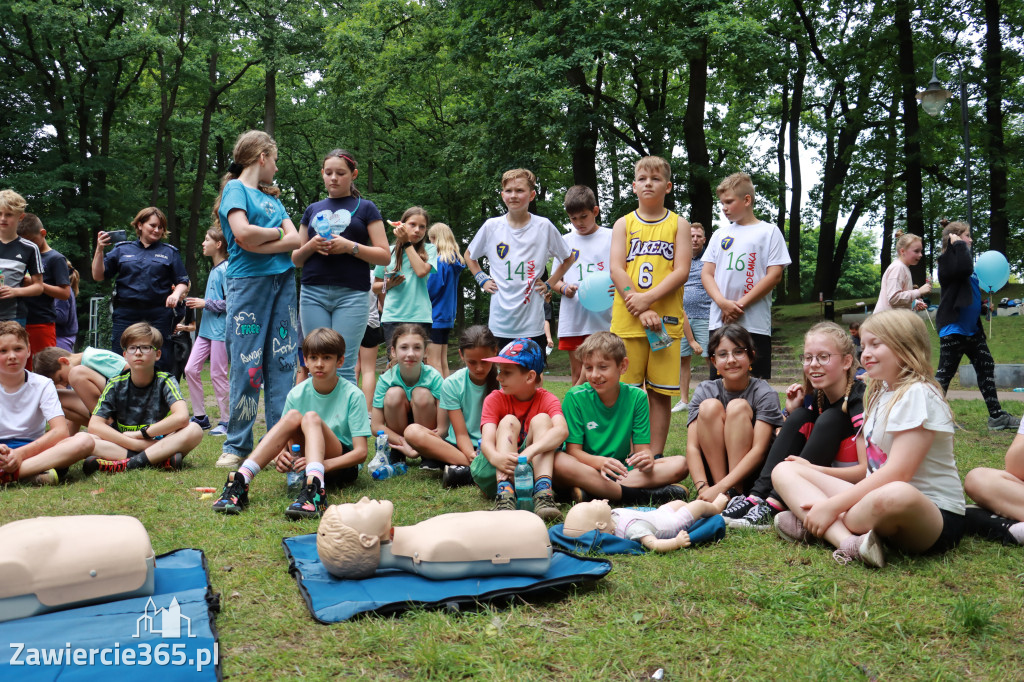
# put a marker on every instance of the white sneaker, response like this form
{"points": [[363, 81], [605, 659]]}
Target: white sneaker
{"points": [[229, 461], [681, 406]]}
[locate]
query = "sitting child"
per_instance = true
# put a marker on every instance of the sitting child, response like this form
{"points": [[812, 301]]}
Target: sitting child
{"points": [[520, 419], [608, 449], [1000, 497], [141, 419], [29, 403], [79, 378], [660, 530], [324, 415], [408, 392]]}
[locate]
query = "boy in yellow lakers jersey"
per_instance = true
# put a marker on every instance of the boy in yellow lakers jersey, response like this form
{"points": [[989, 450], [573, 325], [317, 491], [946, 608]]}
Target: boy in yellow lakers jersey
{"points": [[650, 262]]}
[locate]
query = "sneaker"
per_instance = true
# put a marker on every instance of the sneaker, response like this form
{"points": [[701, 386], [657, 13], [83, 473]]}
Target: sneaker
{"points": [[311, 503], [173, 463], [430, 464], [1003, 421], [991, 526], [865, 548], [737, 508], [92, 464], [456, 475], [505, 501], [544, 506], [204, 422], [48, 477], [790, 528], [235, 496], [681, 406], [760, 516], [665, 494], [229, 460], [220, 429]]}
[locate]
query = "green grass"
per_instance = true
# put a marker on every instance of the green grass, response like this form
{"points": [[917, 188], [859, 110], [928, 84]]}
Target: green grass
{"points": [[751, 606]]}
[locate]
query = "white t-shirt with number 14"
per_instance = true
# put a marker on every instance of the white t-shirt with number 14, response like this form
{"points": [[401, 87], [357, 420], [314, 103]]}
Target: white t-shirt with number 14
{"points": [[592, 251], [517, 258], [742, 255]]}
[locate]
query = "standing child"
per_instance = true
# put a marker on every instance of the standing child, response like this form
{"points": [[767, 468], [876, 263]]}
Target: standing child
{"points": [[912, 496], [21, 268], [590, 245], [41, 315], [521, 419], [80, 378], [210, 340], [732, 419], [443, 286], [141, 419], [260, 291], [66, 312], [462, 399], [408, 392], [897, 287], [517, 246], [697, 306], [335, 267], [368, 349], [29, 404], [742, 265], [650, 260], [404, 282], [323, 415]]}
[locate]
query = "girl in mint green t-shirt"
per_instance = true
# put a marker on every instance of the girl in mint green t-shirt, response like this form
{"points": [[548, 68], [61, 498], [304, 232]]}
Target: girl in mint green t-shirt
{"points": [[404, 281]]}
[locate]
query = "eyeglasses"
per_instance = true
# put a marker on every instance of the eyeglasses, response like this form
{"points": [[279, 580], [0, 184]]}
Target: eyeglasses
{"points": [[822, 358], [145, 350], [734, 353]]}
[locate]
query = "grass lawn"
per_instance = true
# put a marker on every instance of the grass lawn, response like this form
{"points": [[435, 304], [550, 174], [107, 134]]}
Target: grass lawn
{"points": [[750, 607]]}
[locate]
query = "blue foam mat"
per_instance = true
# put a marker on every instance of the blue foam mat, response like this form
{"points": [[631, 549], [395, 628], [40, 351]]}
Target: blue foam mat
{"points": [[331, 600], [111, 626]]}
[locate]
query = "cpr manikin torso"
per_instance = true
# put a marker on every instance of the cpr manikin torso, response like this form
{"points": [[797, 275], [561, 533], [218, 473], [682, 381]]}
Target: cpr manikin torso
{"points": [[353, 540]]}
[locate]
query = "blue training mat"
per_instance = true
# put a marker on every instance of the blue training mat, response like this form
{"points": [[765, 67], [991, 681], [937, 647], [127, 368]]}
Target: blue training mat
{"points": [[109, 630], [711, 529], [331, 600]]}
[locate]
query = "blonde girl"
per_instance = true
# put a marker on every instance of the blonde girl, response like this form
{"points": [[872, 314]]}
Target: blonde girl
{"points": [[404, 282], [897, 287], [912, 496], [823, 415], [443, 287], [260, 336]]}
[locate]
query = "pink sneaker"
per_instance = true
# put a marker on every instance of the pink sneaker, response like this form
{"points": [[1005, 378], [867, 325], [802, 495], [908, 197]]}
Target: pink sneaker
{"points": [[790, 528]]}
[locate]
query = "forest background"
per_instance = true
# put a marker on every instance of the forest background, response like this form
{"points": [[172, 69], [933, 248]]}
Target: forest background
{"points": [[110, 106]]}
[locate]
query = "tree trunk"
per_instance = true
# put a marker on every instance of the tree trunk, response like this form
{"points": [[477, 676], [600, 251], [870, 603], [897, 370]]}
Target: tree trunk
{"points": [[911, 127], [583, 129], [698, 160], [795, 110], [270, 101], [995, 149]]}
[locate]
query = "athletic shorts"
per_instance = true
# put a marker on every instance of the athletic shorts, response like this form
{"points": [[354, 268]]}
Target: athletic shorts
{"points": [[699, 327], [953, 526], [659, 370], [571, 343], [372, 337], [440, 336]]}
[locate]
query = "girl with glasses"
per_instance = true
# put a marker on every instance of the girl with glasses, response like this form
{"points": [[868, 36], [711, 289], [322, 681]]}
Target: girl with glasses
{"points": [[732, 419]]}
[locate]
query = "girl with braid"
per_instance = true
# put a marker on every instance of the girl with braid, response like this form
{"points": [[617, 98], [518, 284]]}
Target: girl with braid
{"points": [[824, 415]]}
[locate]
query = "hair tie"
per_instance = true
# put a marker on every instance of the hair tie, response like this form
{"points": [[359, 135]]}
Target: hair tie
{"points": [[349, 159], [235, 168]]}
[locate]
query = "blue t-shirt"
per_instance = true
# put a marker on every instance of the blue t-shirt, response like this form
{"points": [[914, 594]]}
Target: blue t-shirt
{"points": [[40, 309], [443, 286], [342, 270], [261, 210], [967, 321], [212, 325], [145, 276], [696, 301]]}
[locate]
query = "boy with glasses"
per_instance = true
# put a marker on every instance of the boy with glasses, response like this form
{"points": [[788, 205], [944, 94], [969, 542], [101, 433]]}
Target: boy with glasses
{"points": [[141, 419]]}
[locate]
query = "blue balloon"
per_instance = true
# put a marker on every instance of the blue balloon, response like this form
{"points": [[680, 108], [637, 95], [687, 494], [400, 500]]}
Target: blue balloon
{"points": [[993, 271], [593, 292]]}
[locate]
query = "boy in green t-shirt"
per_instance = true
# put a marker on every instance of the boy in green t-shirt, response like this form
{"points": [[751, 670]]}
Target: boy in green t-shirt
{"points": [[607, 453], [326, 417]]}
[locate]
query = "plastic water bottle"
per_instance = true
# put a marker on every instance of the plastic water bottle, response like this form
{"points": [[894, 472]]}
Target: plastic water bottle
{"points": [[523, 480], [389, 471], [322, 226], [658, 338], [381, 454], [296, 479]]}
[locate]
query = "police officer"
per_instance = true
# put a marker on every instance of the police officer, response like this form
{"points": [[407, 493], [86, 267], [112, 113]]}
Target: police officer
{"points": [[150, 280]]}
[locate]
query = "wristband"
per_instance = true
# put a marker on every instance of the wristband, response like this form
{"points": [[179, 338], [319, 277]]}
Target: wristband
{"points": [[702, 484], [482, 278], [145, 432], [280, 235]]}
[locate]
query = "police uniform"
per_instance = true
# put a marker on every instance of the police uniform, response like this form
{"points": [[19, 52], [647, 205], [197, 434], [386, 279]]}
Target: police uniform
{"points": [[143, 279]]}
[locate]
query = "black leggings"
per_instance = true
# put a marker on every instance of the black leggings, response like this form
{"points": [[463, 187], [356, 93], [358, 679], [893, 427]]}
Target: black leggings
{"points": [[952, 347], [828, 430]]}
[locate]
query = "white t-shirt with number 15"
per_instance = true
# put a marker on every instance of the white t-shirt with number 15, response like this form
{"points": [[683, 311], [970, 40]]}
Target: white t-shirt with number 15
{"points": [[742, 255], [592, 251], [517, 258]]}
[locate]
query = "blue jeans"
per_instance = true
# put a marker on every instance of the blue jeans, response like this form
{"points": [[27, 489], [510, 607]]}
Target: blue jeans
{"points": [[262, 345], [342, 309]]}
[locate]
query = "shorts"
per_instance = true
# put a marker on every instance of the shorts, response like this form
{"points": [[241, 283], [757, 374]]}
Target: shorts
{"points": [[953, 527], [372, 337], [541, 341], [699, 327], [40, 336], [440, 336], [341, 477], [484, 475], [660, 370], [570, 343], [762, 367], [390, 327]]}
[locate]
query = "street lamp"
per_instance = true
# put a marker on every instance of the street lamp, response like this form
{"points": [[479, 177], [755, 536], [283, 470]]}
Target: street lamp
{"points": [[933, 99]]}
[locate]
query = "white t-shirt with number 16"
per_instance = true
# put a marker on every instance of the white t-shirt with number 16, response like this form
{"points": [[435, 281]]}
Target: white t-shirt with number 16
{"points": [[517, 258], [592, 251]]}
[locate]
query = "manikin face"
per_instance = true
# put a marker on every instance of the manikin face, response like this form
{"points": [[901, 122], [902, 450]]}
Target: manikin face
{"points": [[878, 359], [337, 177], [588, 516], [369, 517], [829, 377]]}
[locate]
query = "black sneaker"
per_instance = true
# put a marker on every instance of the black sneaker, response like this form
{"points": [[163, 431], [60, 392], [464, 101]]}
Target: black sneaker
{"points": [[204, 422], [761, 516], [235, 496], [311, 503], [430, 464], [173, 463], [456, 475], [738, 508]]}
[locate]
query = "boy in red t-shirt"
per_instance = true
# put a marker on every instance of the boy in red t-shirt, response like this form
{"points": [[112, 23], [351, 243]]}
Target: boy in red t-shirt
{"points": [[520, 419]]}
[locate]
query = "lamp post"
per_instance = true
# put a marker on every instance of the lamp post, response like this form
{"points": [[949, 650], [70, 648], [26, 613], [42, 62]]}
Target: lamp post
{"points": [[933, 99]]}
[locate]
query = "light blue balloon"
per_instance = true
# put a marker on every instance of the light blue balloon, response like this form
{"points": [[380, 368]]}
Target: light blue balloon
{"points": [[993, 271], [593, 292]]}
